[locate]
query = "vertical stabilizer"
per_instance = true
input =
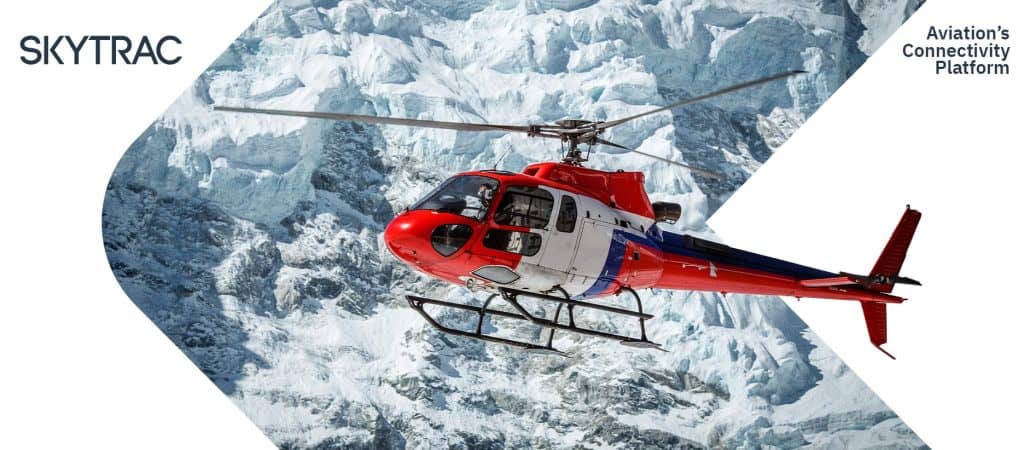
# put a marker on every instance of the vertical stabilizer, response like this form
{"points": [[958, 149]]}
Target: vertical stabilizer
{"points": [[886, 272], [874, 317]]}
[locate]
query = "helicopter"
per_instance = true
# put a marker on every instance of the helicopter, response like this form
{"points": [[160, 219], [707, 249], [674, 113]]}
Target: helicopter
{"points": [[569, 236]]}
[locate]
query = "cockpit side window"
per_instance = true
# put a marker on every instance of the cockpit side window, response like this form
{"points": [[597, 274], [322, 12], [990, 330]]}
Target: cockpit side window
{"points": [[468, 195], [525, 206]]}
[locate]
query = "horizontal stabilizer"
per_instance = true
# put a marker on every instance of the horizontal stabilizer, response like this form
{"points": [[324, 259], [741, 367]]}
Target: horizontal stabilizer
{"points": [[828, 282], [847, 279]]}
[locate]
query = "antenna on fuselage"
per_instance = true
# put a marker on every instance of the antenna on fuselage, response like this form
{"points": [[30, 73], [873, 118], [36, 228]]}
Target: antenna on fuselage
{"points": [[507, 151]]}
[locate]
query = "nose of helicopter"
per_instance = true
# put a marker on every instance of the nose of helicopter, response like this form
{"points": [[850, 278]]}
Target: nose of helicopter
{"points": [[409, 235], [424, 238], [404, 237]]}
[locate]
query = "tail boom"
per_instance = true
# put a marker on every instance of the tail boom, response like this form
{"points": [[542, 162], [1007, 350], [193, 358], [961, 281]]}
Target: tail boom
{"points": [[694, 264]]}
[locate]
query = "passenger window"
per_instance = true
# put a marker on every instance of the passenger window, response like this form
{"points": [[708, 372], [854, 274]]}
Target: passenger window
{"points": [[566, 215], [525, 206], [526, 244]]}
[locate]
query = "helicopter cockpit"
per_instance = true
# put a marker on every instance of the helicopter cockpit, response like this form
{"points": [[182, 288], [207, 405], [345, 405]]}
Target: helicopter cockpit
{"points": [[472, 196], [467, 195]]}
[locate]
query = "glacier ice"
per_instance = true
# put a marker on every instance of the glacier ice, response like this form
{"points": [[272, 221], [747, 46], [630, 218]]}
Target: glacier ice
{"points": [[253, 241]]}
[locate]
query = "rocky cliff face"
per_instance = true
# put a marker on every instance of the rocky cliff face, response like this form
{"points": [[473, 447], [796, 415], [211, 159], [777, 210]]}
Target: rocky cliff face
{"points": [[253, 241]]}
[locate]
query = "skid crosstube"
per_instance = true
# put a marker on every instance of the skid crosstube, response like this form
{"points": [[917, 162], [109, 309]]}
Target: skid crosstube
{"points": [[511, 296]]}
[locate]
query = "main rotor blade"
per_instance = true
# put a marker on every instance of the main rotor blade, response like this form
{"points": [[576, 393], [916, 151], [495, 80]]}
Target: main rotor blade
{"points": [[611, 144], [707, 173], [459, 126], [778, 76]]}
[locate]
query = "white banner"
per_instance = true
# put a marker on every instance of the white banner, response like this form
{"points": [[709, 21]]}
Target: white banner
{"points": [[949, 145]]}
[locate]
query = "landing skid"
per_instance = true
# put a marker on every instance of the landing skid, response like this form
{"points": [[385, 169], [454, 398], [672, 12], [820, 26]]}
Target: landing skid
{"points": [[512, 297]]}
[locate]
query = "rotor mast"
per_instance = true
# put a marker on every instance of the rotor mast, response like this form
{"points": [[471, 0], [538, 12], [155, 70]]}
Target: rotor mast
{"points": [[574, 133]]}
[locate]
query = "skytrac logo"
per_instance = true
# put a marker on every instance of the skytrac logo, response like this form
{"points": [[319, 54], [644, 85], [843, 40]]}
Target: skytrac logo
{"points": [[109, 49]]}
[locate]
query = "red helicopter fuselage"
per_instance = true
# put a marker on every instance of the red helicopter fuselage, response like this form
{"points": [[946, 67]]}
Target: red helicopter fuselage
{"points": [[591, 233]]}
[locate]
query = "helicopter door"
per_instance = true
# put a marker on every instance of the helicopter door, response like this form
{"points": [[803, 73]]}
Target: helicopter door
{"points": [[563, 236]]}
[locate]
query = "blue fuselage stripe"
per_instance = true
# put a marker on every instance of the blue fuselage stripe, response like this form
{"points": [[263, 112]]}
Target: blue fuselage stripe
{"points": [[678, 245], [613, 262]]}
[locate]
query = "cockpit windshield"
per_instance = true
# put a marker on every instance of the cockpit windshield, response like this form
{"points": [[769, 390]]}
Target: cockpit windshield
{"points": [[467, 195]]}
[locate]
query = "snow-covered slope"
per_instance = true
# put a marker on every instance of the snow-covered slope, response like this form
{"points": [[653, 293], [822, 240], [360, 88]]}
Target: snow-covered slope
{"points": [[253, 241]]}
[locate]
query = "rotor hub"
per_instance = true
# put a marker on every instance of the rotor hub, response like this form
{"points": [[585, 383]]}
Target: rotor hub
{"points": [[570, 124]]}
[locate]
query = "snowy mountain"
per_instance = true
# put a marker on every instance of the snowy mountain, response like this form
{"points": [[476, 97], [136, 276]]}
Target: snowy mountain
{"points": [[253, 241]]}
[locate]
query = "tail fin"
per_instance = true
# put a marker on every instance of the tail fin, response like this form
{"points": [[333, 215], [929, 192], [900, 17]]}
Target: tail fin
{"points": [[874, 317], [886, 274]]}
